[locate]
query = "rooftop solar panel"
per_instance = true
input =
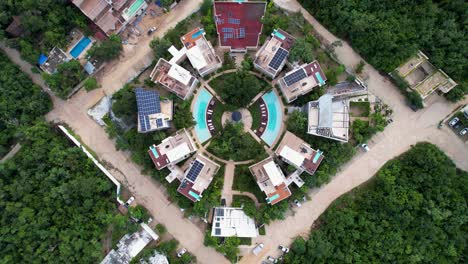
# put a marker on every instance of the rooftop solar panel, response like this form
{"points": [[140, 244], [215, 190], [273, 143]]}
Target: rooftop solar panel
{"points": [[295, 77], [195, 170], [159, 122], [219, 212], [278, 58], [218, 231], [143, 126], [148, 101], [242, 33]]}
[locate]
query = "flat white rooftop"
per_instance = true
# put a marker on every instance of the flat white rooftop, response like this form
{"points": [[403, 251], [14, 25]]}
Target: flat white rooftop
{"points": [[228, 222]]}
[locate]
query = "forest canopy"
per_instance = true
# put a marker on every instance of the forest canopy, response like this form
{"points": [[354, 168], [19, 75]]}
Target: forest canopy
{"points": [[21, 102], [55, 204], [414, 211], [389, 32]]}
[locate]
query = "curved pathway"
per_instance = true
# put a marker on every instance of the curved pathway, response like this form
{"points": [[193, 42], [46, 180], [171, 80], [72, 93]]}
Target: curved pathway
{"points": [[248, 194], [407, 129]]}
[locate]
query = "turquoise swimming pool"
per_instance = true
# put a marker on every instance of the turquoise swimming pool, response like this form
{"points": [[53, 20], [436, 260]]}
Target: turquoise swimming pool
{"points": [[199, 115], [80, 46], [275, 117], [278, 34], [198, 33], [319, 77]]}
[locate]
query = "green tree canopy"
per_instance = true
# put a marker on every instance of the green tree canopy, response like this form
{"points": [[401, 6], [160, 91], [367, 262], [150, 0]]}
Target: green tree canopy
{"points": [[108, 49], [414, 211], [301, 51]]}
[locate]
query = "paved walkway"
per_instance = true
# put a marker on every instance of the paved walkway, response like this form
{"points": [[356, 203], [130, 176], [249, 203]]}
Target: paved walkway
{"points": [[407, 129], [248, 194], [228, 181]]}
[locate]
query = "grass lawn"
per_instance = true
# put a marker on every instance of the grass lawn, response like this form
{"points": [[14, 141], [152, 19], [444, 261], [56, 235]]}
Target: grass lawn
{"points": [[254, 110], [244, 181], [218, 114], [360, 109]]}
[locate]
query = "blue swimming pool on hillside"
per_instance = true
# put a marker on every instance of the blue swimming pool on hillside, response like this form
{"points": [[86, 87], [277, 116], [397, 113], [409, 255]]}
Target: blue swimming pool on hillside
{"points": [[199, 115], [275, 117], [80, 46]]}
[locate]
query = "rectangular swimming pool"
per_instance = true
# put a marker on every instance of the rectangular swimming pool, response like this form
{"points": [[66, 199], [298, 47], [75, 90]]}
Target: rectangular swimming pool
{"points": [[80, 46], [319, 77], [279, 35]]}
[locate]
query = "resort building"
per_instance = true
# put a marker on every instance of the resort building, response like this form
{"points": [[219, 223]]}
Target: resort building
{"points": [[174, 78], [423, 77], [50, 63], [172, 150], [302, 80], [232, 222], [297, 153], [272, 57], [196, 178], [200, 52], [111, 16], [130, 246], [329, 118], [153, 114], [271, 180], [238, 24]]}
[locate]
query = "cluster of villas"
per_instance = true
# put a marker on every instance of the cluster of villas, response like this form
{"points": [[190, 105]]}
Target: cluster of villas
{"points": [[239, 28]]}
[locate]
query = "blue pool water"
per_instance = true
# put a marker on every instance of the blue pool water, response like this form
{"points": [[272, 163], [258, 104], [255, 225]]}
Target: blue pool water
{"points": [[275, 117], [317, 156], [155, 153], [199, 115], [279, 35], [195, 35], [80, 46], [319, 77]]}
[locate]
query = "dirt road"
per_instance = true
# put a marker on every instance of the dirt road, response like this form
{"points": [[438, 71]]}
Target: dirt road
{"points": [[407, 129], [137, 57]]}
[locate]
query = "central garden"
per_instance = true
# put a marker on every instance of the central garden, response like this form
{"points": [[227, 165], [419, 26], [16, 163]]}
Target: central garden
{"points": [[237, 89]]}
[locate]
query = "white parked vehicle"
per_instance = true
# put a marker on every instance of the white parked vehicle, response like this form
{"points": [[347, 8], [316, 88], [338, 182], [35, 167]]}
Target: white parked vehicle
{"points": [[129, 202], [464, 131], [181, 252], [297, 203], [284, 249], [365, 147], [258, 249], [454, 121], [272, 259]]}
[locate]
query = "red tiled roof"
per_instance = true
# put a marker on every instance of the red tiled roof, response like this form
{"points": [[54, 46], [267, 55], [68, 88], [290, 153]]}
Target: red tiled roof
{"points": [[161, 161], [310, 166], [249, 15], [283, 192], [314, 67], [287, 42], [185, 187]]}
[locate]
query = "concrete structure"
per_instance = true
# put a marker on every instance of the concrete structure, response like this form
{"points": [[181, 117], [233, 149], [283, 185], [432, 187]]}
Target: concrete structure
{"points": [[271, 180], [329, 118], [56, 57], [297, 153], [200, 52], [174, 78], [238, 24], [273, 55], [302, 80], [229, 222], [196, 178], [111, 16], [153, 114], [423, 77], [172, 150], [130, 245]]}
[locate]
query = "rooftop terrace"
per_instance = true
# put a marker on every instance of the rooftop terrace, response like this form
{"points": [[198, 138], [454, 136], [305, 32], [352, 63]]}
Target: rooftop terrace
{"points": [[198, 177], [272, 57], [228, 222], [302, 80], [172, 150], [201, 54], [271, 180], [298, 153], [175, 78]]}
